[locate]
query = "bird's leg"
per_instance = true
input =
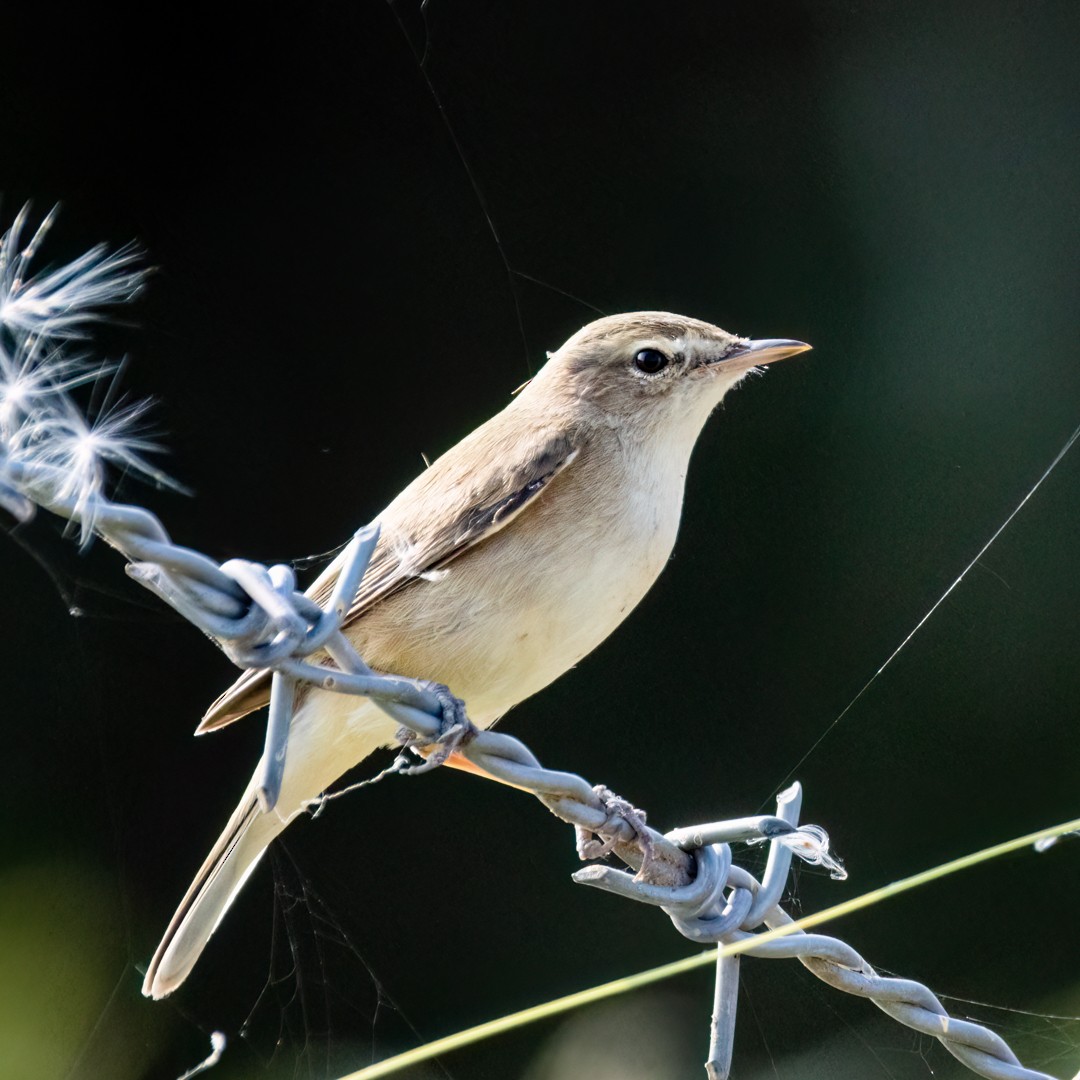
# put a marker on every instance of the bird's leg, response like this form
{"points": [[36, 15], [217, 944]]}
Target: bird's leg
{"points": [[464, 764], [455, 730]]}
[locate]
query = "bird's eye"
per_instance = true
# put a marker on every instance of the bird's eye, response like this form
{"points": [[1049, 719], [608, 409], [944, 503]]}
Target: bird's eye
{"points": [[650, 361]]}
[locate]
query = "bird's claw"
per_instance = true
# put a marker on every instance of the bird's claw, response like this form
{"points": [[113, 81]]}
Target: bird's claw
{"points": [[596, 843], [455, 730]]}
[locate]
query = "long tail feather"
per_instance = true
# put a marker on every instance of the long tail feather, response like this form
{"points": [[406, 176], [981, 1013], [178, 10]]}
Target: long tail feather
{"points": [[210, 895], [330, 734]]}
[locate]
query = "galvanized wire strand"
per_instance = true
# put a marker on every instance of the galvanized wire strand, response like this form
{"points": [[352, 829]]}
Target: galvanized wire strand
{"points": [[905, 1000], [262, 621]]}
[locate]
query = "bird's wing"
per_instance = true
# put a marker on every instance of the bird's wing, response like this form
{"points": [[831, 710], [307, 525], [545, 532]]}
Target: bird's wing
{"points": [[423, 530]]}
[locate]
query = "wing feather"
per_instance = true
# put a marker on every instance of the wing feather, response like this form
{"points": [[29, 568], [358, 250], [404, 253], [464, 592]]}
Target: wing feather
{"points": [[446, 511]]}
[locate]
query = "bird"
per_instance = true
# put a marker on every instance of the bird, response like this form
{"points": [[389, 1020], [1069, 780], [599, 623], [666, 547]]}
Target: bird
{"points": [[505, 562]]}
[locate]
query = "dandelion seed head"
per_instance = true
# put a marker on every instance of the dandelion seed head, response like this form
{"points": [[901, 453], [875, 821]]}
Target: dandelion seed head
{"points": [[61, 303], [811, 844], [70, 453], [62, 454], [29, 380]]}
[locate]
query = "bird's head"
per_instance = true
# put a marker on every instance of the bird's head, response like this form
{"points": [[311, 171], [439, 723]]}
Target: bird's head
{"points": [[654, 371]]}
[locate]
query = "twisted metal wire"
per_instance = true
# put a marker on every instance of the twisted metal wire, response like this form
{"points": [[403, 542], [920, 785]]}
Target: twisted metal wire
{"points": [[702, 912], [261, 620]]}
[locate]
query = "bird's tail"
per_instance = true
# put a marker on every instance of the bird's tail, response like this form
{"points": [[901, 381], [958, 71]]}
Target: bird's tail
{"points": [[330, 734], [210, 895]]}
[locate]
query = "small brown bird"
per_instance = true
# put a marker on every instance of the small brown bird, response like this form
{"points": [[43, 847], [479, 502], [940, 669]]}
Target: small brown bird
{"points": [[499, 567]]}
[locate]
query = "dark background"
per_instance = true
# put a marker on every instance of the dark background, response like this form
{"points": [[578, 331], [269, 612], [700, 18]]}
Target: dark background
{"points": [[896, 183]]}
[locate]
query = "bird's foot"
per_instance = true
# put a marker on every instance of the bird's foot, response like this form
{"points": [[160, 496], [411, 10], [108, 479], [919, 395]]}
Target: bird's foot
{"points": [[596, 843], [455, 730]]}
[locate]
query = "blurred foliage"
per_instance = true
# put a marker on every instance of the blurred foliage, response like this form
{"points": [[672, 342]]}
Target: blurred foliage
{"points": [[67, 1006]]}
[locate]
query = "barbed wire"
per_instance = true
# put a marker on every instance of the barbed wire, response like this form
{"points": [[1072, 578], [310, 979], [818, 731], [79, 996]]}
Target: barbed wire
{"points": [[262, 621]]}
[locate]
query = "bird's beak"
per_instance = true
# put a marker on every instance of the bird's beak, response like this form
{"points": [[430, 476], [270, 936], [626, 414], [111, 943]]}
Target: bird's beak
{"points": [[765, 351]]}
